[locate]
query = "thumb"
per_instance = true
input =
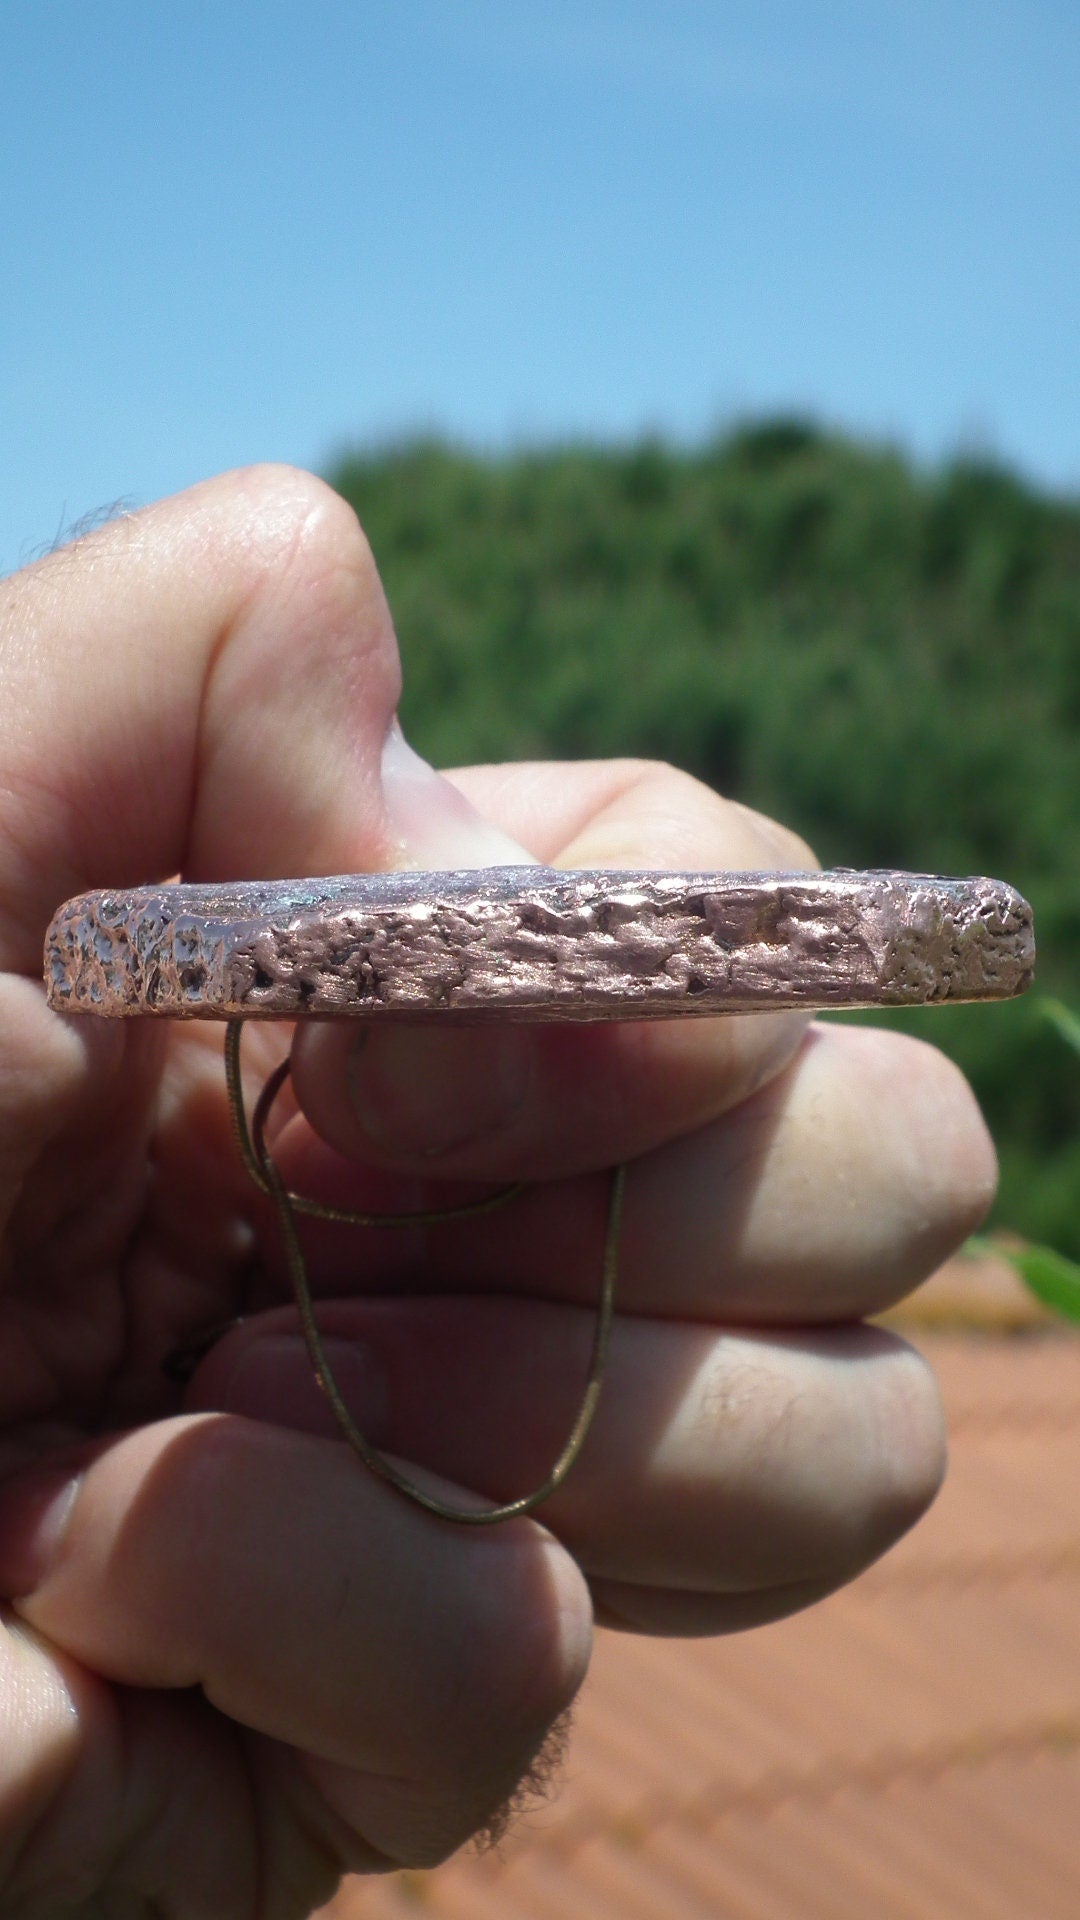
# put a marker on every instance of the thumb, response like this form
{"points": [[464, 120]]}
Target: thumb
{"points": [[208, 687], [437, 826]]}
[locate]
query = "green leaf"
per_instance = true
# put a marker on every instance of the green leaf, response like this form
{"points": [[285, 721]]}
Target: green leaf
{"points": [[1063, 1019], [1052, 1278]]}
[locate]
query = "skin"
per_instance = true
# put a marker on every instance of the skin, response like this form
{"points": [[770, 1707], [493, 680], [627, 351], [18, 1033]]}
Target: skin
{"points": [[235, 1665]]}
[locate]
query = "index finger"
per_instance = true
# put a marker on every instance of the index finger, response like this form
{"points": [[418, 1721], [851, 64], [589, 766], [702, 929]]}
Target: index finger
{"points": [[538, 1102], [206, 687]]}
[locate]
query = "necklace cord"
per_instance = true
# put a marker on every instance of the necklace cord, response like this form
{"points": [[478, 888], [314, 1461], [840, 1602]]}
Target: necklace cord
{"points": [[263, 1170]]}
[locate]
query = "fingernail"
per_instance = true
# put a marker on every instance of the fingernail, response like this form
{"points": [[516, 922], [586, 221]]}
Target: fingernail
{"points": [[272, 1379], [35, 1512], [434, 824], [422, 1090]]}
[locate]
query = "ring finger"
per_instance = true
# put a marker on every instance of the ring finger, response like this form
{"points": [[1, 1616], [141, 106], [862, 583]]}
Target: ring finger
{"points": [[838, 1186], [741, 1471]]}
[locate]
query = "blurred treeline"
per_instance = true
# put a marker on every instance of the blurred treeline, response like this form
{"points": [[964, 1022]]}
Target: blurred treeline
{"points": [[886, 659]]}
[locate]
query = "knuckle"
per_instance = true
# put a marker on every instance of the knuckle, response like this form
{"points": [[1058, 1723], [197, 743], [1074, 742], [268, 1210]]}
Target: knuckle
{"points": [[298, 517], [781, 845], [288, 496], [482, 1744], [516, 1673], [753, 836]]}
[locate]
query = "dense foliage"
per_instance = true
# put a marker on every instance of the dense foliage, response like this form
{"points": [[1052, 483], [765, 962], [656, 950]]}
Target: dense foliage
{"points": [[887, 660]]}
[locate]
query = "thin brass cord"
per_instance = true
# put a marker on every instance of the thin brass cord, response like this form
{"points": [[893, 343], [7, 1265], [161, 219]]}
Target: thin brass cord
{"points": [[264, 1172], [253, 1153]]}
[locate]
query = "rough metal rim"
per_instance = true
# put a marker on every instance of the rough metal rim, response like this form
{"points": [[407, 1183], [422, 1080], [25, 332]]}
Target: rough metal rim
{"points": [[535, 944]]}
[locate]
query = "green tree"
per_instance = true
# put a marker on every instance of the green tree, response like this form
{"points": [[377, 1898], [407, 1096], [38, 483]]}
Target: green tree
{"points": [[887, 659]]}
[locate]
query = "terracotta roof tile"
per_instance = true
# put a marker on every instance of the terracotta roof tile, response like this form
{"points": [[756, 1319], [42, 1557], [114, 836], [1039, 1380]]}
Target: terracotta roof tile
{"points": [[907, 1750]]}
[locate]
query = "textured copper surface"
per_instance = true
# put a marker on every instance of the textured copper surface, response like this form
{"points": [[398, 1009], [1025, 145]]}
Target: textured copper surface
{"points": [[909, 1749], [531, 943]]}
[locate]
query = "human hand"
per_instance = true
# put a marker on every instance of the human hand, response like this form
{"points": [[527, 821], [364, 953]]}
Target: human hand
{"points": [[235, 1665]]}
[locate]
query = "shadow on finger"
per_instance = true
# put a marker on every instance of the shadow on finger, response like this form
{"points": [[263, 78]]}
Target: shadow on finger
{"points": [[720, 1463]]}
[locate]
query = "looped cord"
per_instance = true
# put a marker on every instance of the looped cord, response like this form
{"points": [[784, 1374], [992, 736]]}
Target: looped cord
{"points": [[263, 1170]]}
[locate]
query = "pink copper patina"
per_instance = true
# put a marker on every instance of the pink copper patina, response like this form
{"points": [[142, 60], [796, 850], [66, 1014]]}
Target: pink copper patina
{"points": [[532, 943]]}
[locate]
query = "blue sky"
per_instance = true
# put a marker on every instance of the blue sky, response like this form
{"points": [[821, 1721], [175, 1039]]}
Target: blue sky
{"points": [[241, 231]]}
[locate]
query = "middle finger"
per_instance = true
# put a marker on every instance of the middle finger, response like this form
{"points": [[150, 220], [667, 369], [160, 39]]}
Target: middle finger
{"points": [[719, 1463], [841, 1184]]}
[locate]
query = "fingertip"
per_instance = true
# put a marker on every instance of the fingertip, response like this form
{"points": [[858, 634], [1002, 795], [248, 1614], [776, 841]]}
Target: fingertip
{"points": [[520, 1102]]}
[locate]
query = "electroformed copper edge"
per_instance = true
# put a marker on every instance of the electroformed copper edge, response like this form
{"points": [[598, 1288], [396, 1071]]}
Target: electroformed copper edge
{"points": [[533, 943]]}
